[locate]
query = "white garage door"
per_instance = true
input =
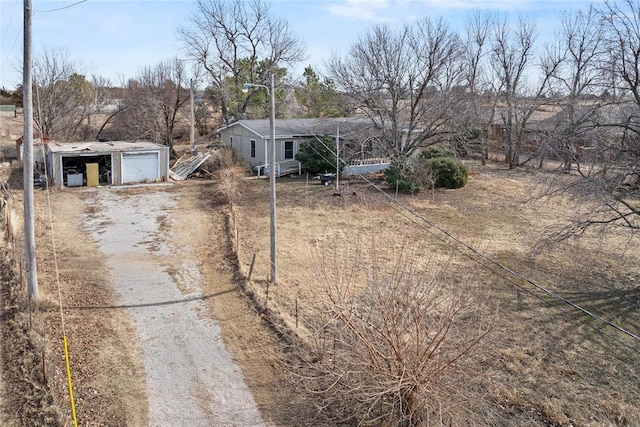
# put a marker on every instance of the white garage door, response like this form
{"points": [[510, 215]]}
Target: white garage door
{"points": [[138, 167]]}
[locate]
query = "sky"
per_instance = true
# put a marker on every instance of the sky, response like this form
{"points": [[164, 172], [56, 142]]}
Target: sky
{"points": [[116, 38]]}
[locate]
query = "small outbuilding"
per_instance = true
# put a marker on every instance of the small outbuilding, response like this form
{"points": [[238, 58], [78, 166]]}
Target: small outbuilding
{"points": [[76, 164]]}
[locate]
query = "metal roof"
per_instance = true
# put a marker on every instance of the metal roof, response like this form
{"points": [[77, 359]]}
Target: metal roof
{"points": [[289, 128], [93, 146]]}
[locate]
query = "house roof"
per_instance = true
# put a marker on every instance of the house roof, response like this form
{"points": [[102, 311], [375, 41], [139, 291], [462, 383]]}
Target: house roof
{"points": [[93, 146], [290, 128]]}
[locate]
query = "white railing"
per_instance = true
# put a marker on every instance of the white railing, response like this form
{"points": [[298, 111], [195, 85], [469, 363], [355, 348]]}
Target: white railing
{"points": [[284, 167], [369, 161], [265, 168]]}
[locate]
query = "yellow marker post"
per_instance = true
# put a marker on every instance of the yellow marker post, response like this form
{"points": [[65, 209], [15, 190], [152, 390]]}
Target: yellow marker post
{"points": [[66, 358]]}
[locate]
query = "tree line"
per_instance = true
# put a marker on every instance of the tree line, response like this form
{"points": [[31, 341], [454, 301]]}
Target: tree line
{"points": [[421, 84]]}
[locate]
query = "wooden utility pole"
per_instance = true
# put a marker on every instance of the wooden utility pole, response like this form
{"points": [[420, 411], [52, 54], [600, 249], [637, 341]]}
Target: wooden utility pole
{"points": [[31, 271]]}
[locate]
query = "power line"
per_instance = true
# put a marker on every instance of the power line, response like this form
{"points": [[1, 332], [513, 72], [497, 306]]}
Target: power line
{"points": [[59, 8], [501, 275], [15, 40], [32, 13], [13, 11]]}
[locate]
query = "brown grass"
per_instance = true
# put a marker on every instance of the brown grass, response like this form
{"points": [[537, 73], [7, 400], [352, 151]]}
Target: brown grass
{"points": [[25, 394], [546, 363], [542, 364]]}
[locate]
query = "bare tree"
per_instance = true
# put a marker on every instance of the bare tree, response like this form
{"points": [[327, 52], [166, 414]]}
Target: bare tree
{"points": [[392, 345], [202, 116], [576, 81], [609, 189], [64, 98], [622, 26], [153, 101], [603, 52], [404, 81], [102, 102], [237, 41], [513, 54], [478, 113], [109, 103]]}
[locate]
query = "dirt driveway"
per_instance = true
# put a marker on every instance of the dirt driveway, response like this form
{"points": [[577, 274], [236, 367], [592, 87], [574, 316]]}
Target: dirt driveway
{"points": [[191, 377]]}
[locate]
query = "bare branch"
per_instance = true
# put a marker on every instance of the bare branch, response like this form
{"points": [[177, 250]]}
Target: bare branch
{"points": [[392, 344], [232, 40]]}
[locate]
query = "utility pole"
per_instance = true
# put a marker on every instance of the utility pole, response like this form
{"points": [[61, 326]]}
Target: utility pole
{"points": [[338, 158], [272, 182], [31, 271], [192, 133], [272, 169]]}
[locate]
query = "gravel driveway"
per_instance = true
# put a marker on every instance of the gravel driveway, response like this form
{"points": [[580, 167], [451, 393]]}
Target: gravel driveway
{"points": [[192, 379]]}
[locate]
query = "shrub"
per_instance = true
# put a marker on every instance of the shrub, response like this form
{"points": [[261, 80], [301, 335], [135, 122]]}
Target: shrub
{"points": [[401, 175], [442, 170], [318, 156], [436, 152], [448, 172]]}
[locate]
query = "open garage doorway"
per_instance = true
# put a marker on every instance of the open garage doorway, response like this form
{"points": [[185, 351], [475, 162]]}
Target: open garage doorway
{"points": [[74, 169]]}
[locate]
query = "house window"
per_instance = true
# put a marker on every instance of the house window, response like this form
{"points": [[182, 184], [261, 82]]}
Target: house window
{"points": [[253, 148], [231, 141], [288, 150]]}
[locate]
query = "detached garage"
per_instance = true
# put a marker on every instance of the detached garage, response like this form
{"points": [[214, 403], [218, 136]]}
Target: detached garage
{"points": [[104, 163]]}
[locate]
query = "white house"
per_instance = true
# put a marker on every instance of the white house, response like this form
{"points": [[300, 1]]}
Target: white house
{"points": [[250, 138]]}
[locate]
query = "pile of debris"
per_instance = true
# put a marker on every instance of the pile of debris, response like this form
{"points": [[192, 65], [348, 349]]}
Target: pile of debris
{"points": [[184, 167]]}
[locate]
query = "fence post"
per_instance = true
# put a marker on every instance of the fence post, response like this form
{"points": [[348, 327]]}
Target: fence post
{"points": [[253, 262]]}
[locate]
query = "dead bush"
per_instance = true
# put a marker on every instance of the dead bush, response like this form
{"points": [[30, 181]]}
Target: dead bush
{"points": [[229, 187], [396, 338], [221, 158]]}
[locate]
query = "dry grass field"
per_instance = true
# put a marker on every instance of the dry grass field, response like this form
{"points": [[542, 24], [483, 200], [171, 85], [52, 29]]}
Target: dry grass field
{"points": [[542, 363]]}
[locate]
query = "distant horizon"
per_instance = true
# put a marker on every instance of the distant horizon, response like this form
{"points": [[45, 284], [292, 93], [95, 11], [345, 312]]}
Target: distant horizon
{"points": [[114, 39]]}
